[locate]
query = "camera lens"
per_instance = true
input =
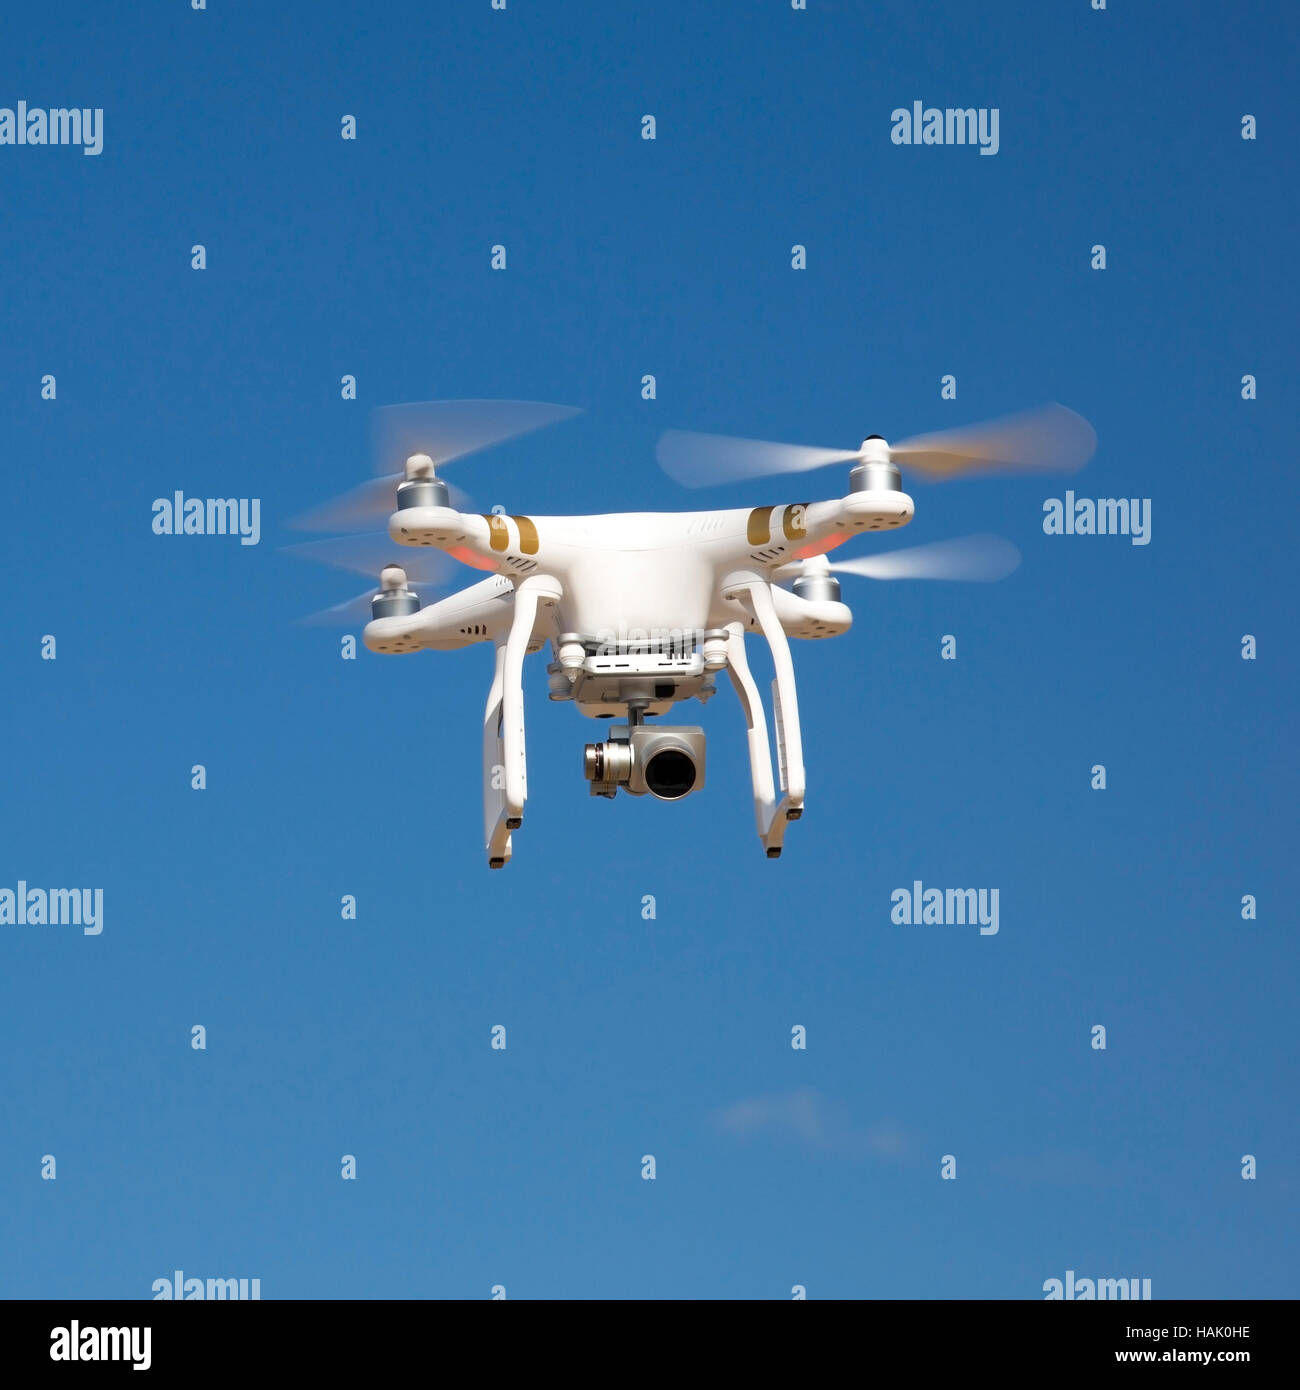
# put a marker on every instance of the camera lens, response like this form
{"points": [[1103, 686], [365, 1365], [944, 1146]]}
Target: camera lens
{"points": [[670, 774]]}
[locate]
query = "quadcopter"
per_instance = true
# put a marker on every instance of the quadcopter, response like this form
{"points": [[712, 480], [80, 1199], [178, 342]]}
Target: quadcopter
{"points": [[642, 611]]}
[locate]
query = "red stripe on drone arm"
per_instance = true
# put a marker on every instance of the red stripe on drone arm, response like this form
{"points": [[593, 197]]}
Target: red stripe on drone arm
{"points": [[472, 558], [822, 546]]}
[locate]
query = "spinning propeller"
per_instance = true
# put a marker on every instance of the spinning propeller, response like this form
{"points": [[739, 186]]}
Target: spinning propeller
{"points": [[418, 571], [1051, 439], [977, 559], [411, 442], [435, 433]]}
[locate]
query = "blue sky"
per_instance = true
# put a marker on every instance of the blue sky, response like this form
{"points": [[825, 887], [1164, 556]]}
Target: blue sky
{"points": [[668, 1037]]}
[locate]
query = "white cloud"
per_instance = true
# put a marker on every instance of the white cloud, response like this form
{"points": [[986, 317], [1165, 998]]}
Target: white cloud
{"points": [[810, 1118]]}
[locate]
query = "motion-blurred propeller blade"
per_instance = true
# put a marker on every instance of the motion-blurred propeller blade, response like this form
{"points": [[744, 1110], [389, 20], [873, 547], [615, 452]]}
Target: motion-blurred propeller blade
{"points": [[355, 612], [1052, 439], [703, 460], [447, 430], [364, 506], [372, 502], [369, 552], [977, 559]]}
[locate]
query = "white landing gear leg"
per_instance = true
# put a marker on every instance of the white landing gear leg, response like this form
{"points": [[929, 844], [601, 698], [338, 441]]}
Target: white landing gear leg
{"points": [[505, 762], [772, 815], [496, 836]]}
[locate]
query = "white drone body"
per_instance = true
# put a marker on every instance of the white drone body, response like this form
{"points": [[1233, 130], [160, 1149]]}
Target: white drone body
{"points": [[643, 610]]}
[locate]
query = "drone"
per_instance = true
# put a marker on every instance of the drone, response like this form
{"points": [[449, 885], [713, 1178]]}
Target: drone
{"points": [[643, 611]]}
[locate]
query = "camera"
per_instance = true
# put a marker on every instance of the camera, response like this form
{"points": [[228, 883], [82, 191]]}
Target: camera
{"points": [[664, 761]]}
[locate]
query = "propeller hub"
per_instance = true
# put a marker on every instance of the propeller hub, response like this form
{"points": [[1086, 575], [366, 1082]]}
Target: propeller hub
{"points": [[421, 487], [875, 449]]}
